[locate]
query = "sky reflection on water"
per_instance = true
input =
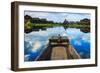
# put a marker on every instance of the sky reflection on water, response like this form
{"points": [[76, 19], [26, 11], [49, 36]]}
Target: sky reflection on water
{"points": [[36, 41]]}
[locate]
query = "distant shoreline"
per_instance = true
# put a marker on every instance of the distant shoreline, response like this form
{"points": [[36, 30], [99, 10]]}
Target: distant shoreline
{"points": [[83, 29]]}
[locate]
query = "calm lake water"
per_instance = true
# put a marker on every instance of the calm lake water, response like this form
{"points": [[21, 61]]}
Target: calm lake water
{"points": [[36, 41]]}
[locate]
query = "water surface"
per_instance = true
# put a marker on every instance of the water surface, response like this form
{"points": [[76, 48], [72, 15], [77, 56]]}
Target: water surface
{"points": [[36, 41]]}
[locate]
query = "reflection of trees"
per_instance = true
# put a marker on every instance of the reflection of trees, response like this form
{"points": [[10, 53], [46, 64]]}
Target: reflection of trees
{"points": [[86, 29], [84, 22]]}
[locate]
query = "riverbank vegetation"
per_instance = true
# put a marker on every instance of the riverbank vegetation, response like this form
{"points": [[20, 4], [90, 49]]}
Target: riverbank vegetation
{"points": [[34, 24]]}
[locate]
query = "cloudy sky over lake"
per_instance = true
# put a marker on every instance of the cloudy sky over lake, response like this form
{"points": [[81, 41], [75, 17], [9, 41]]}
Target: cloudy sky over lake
{"points": [[57, 16]]}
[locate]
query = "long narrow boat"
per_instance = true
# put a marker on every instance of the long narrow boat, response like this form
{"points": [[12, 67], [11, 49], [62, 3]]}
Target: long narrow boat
{"points": [[59, 48]]}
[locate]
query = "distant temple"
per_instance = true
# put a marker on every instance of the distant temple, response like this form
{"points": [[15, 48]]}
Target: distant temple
{"points": [[65, 22]]}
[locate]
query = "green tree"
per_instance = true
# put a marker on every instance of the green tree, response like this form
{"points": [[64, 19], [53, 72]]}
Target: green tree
{"points": [[28, 25]]}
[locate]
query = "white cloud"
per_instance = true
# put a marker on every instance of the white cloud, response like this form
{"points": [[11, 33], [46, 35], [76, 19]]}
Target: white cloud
{"points": [[37, 14], [86, 37], [78, 43], [36, 46], [58, 16], [81, 53], [35, 33], [78, 35], [34, 38], [74, 33], [26, 57], [31, 43], [28, 45], [64, 34]]}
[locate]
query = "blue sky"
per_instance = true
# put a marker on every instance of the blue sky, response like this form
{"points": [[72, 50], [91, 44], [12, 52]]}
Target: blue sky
{"points": [[58, 16]]}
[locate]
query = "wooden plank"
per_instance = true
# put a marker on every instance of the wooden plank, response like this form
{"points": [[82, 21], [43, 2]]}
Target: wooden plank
{"points": [[58, 53]]}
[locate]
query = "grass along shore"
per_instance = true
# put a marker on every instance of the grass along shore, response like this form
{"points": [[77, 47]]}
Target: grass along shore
{"points": [[34, 27]]}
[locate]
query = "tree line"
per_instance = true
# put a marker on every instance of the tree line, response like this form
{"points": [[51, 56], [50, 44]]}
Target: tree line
{"points": [[27, 18]]}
